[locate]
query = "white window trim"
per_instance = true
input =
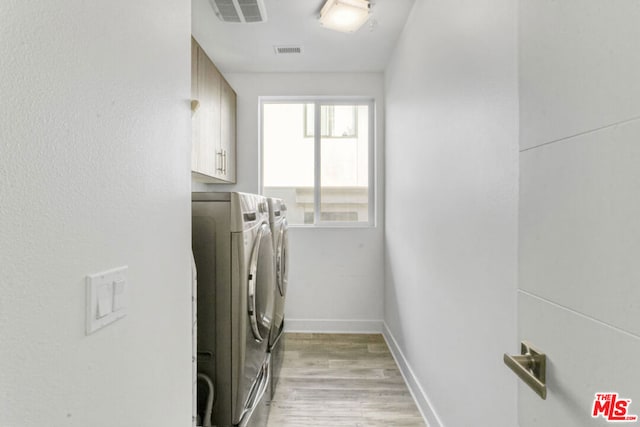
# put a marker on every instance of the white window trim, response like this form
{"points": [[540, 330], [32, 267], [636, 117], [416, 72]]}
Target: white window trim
{"points": [[318, 101]]}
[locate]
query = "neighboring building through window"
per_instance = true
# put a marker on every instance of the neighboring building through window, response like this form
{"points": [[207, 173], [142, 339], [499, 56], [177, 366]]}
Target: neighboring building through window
{"points": [[317, 155], [336, 121]]}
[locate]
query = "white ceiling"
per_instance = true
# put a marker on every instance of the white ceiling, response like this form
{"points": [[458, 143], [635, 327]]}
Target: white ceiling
{"points": [[250, 47]]}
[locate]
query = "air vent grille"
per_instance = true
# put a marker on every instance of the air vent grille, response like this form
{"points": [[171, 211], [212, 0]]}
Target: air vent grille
{"points": [[227, 11], [283, 50], [248, 11]]}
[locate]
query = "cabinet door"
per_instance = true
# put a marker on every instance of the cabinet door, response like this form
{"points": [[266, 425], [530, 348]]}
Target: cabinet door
{"points": [[213, 121], [228, 131], [195, 110], [209, 154]]}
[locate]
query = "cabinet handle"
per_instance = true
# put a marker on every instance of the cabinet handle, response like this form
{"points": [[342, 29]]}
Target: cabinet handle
{"points": [[219, 161], [224, 161]]}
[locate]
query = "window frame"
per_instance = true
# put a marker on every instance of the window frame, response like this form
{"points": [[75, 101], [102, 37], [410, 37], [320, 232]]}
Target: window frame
{"points": [[319, 101]]}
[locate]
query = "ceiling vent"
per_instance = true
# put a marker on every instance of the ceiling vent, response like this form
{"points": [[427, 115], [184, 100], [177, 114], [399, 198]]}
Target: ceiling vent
{"points": [[285, 50], [241, 11]]}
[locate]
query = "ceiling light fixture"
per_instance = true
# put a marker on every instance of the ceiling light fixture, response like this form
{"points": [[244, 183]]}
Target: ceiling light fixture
{"points": [[344, 15]]}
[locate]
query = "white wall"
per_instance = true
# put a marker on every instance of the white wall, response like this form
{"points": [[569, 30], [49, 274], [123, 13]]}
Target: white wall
{"points": [[579, 299], [336, 275], [451, 208], [94, 174]]}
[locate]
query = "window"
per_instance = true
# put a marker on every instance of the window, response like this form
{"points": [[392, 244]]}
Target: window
{"points": [[317, 155], [336, 121]]}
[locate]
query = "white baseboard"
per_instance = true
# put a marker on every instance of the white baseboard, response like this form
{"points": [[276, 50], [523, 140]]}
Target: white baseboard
{"points": [[419, 396], [333, 326]]}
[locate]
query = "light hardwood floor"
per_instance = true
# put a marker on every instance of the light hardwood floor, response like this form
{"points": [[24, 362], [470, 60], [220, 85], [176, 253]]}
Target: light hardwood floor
{"points": [[339, 380]]}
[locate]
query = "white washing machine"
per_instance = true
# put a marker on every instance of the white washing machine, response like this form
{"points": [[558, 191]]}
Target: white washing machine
{"points": [[279, 229], [233, 250]]}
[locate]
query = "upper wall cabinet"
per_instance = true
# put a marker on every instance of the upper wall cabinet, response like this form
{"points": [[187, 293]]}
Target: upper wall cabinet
{"points": [[213, 105]]}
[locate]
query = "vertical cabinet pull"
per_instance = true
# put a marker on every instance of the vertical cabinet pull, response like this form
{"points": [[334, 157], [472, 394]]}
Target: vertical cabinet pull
{"points": [[224, 162], [219, 161]]}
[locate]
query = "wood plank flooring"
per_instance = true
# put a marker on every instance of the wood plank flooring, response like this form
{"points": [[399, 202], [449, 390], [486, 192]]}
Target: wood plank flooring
{"points": [[335, 380]]}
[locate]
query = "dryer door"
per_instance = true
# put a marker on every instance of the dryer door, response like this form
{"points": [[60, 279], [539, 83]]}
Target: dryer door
{"points": [[282, 258], [261, 284]]}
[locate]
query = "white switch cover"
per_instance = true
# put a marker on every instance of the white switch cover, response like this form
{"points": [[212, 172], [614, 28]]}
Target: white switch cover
{"points": [[106, 298], [119, 302]]}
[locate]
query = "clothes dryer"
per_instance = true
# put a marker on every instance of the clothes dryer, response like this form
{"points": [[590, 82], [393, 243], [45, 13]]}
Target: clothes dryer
{"points": [[279, 229], [233, 250]]}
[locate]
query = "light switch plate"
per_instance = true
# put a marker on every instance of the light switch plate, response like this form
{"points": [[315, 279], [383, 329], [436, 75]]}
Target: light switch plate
{"points": [[107, 294]]}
